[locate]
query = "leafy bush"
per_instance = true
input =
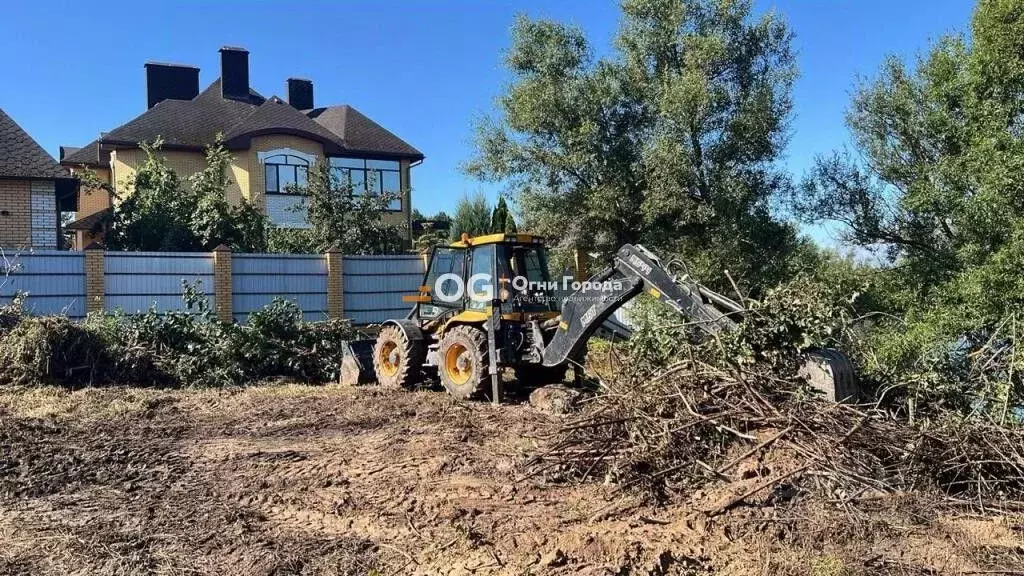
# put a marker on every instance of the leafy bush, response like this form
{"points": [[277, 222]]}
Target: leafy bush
{"points": [[188, 348]]}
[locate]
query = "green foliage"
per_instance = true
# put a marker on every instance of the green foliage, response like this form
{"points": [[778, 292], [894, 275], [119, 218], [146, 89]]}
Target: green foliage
{"points": [[935, 188], [671, 142], [339, 219], [188, 348], [502, 220], [160, 212], [472, 216], [433, 234]]}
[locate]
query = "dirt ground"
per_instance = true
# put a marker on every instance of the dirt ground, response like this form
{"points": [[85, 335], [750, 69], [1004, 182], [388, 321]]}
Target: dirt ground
{"points": [[295, 479]]}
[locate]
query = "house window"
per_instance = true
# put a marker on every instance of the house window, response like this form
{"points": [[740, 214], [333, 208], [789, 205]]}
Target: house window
{"points": [[286, 174], [368, 175]]}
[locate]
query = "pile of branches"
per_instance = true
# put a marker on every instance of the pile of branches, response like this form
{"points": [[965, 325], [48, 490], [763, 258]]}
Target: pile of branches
{"points": [[682, 427], [735, 407]]}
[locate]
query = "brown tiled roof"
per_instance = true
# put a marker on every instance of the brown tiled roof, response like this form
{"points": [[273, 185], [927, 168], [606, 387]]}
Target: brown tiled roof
{"points": [[194, 124], [276, 116], [88, 155], [92, 222], [360, 134], [23, 157], [186, 123]]}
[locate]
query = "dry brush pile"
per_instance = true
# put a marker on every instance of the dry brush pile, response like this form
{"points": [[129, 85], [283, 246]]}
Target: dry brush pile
{"points": [[734, 408]]}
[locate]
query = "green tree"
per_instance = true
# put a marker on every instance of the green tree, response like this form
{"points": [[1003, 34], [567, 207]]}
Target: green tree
{"points": [[671, 141], [162, 212], [501, 217], [936, 186], [340, 219], [472, 216]]}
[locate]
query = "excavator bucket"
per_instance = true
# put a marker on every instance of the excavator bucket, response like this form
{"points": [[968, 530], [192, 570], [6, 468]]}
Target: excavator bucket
{"points": [[357, 363]]}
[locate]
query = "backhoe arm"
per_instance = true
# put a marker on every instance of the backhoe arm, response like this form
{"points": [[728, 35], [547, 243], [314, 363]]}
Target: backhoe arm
{"points": [[633, 270]]}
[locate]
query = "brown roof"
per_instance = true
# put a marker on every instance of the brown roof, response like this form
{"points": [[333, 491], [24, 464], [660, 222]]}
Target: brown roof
{"points": [[88, 155], [275, 117], [92, 222], [194, 124], [360, 134], [23, 157]]}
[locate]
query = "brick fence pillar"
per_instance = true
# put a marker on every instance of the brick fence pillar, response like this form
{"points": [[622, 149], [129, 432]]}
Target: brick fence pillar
{"points": [[335, 284], [95, 284], [223, 292]]}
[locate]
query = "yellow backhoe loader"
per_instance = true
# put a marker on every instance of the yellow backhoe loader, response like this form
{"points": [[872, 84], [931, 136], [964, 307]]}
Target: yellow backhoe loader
{"points": [[488, 303]]}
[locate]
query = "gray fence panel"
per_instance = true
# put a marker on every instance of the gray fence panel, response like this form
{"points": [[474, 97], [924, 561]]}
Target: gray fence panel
{"points": [[134, 282], [53, 280], [374, 286], [259, 279]]}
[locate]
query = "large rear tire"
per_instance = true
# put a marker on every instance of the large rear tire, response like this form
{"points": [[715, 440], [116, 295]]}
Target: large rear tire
{"points": [[397, 361], [463, 362]]}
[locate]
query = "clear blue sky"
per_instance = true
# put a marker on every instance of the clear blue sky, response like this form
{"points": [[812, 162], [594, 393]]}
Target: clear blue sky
{"points": [[422, 69]]}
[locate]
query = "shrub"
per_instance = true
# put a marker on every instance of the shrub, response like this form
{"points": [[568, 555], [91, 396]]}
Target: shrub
{"points": [[188, 348]]}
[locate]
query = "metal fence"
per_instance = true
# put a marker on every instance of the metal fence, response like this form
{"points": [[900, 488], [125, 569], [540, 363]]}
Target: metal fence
{"points": [[134, 282], [258, 279], [374, 286], [55, 281]]}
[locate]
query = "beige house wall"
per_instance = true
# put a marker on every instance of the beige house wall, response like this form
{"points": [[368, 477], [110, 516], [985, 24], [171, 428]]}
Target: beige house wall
{"points": [[245, 174]]}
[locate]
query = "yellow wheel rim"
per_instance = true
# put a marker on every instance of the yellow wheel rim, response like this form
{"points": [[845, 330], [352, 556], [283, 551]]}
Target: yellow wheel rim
{"points": [[387, 366], [458, 363]]}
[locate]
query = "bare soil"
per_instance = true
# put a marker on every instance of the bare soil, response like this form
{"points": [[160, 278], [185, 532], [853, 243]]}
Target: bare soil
{"points": [[289, 479]]}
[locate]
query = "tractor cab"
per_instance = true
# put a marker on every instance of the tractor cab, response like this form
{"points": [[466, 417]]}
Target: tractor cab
{"points": [[474, 275]]}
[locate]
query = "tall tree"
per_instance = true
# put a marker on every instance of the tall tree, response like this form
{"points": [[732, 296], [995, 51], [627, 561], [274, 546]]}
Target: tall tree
{"points": [[937, 181], [672, 141], [501, 217], [472, 216]]}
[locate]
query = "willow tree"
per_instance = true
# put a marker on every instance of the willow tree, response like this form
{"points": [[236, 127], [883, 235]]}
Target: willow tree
{"points": [[671, 140]]}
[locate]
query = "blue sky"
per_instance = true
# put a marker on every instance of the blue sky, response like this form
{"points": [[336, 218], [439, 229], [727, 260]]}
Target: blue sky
{"points": [[424, 70]]}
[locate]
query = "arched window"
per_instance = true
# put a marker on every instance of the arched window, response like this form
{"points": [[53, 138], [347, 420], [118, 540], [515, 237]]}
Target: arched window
{"points": [[286, 173]]}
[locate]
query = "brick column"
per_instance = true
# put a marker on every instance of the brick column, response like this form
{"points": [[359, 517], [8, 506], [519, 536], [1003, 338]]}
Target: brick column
{"points": [[335, 284], [95, 285], [223, 292]]}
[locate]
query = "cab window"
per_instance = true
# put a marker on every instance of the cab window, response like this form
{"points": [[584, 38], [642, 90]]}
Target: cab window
{"points": [[482, 263], [446, 261]]}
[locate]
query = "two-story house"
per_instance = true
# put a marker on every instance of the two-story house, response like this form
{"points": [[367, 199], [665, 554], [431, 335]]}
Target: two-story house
{"points": [[273, 144], [34, 190]]}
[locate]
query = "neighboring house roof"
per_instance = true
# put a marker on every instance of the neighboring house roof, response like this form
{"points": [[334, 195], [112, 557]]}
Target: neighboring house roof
{"points": [[276, 116], [88, 155], [194, 124], [359, 133], [91, 223], [186, 123], [23, 157]]}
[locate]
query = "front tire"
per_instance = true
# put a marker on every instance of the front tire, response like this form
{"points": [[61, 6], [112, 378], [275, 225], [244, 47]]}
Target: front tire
{"points": [[397, 361], [463, 362]]}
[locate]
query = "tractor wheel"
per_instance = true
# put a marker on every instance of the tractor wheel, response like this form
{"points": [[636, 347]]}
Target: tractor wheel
{"points": [[396, 360], [463, 362]]}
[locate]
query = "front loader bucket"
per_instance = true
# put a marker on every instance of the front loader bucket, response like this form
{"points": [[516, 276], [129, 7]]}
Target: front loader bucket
{"points": [[357, 363]]}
